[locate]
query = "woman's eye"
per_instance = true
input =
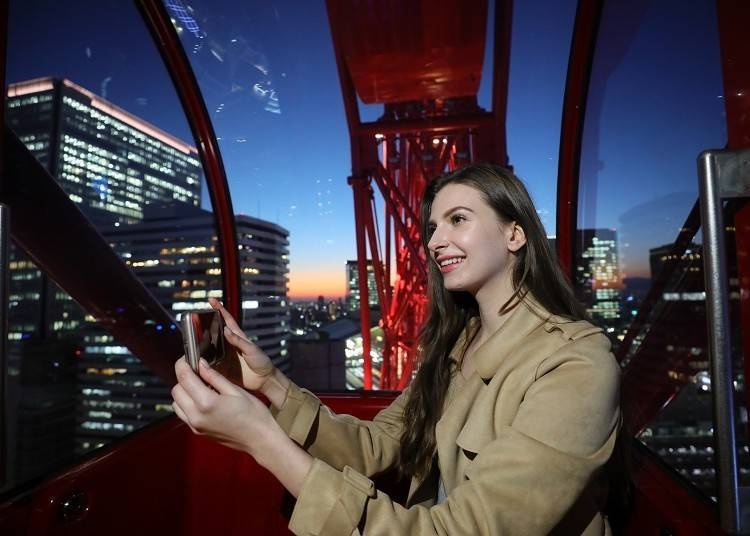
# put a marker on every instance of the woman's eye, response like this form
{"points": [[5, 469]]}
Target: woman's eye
{"points": [[430, 230], [457, 218]]}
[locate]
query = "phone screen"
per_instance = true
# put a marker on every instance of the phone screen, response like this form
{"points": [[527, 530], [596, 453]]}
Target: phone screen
{"points": [[208, 336], [207, 333]]}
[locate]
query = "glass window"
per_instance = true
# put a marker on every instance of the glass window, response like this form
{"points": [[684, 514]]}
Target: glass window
{"points": [[539, 51], [89, 97], [648, 117], [269, 77], [268, 74]]}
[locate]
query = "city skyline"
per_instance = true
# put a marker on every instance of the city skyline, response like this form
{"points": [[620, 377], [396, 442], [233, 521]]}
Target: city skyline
{"points": [[273, 96], [271, 87]]}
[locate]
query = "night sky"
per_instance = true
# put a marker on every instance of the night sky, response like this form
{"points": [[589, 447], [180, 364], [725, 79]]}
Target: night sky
{"points": [[270, 82]]}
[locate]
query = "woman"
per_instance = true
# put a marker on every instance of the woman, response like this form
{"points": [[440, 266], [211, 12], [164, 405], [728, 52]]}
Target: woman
{"points": [[511, 417]]}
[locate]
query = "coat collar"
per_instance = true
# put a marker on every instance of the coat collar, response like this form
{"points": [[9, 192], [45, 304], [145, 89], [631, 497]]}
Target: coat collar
{"points": [[526, 316]]}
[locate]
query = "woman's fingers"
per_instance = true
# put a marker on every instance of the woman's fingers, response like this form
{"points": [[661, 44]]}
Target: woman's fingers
{"points": [[199, 393], [183, 417], [228, 318], [183, 400], [258, 362], [237, 340], [215, 379]]}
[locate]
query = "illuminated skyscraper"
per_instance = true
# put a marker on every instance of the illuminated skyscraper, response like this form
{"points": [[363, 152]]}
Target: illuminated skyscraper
{"points": [[112, 164], [352, 286], [174, 253], [109, 162], [598, 275]]}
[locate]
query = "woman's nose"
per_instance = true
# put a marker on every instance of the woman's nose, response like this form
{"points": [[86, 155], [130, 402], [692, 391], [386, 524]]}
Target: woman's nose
{"points": [[437, 242]]}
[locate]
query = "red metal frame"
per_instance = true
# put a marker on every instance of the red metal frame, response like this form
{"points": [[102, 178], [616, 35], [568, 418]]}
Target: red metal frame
{"points": [[168, 42], [429, 124], [203, 487], [3, 293], [733, 20], [580, 63], [413, 142], [500, 70], [662, 506]]}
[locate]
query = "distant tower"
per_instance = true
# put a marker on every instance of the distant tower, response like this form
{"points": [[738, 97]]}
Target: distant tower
{"points": [[352, 286], [598, 280]]}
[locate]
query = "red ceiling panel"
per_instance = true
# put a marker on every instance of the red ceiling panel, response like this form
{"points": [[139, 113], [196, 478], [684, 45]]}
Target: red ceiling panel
{"points": [[397, 51]]}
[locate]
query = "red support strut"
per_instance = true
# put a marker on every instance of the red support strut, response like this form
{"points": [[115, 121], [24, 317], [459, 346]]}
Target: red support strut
{"points": [[430, 125]]}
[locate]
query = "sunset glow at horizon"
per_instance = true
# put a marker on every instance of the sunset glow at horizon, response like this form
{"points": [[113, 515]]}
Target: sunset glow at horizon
{"points": [[310, 283]]}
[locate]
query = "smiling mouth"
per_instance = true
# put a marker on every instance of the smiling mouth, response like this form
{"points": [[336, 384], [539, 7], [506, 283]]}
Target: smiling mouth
{"points": [[450, 263]]}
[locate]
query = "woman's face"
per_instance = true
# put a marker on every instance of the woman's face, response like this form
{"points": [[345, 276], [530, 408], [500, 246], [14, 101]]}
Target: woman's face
{"points": [[469, 243]]}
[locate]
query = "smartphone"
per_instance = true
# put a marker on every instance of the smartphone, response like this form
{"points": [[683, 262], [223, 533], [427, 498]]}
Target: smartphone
{"points": [[203, 336]]}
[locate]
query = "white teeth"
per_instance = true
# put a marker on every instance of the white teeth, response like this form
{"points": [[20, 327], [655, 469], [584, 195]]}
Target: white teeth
{"points": [[454, 260]]}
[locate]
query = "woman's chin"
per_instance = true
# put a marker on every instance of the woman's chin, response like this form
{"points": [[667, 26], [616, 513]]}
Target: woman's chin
{"points": [[454, 286]]}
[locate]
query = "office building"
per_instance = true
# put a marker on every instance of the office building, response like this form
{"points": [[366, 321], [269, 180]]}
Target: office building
{"points": [[174, 253], [352, 286], [598, 275], [112, 164], [109, 162]]}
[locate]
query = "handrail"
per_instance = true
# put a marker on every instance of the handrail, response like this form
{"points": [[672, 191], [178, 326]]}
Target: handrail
{"points": [[722, 174]]}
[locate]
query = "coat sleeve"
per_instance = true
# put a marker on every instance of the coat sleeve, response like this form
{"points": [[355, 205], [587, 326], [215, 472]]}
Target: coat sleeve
{"points": [[369, 447], [522, 482]]}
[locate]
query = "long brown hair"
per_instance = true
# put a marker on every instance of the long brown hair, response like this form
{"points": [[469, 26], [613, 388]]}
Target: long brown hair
{"points": [[535, 271]]}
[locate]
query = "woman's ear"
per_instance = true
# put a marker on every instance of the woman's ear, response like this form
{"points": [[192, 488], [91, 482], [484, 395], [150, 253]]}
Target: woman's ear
{"points": [[516, 237]]}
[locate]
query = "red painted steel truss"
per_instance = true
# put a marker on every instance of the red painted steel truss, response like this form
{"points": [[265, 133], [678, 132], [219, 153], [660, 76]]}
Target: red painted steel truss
{"points": [[406, 162], [418, 137]]}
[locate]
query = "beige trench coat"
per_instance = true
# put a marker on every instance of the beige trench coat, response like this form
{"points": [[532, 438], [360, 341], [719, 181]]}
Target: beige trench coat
{"points": [[521, 444]]}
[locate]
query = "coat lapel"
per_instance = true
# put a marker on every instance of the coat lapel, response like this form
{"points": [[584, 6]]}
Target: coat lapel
{"points": [[522, 320], [468, 422]]}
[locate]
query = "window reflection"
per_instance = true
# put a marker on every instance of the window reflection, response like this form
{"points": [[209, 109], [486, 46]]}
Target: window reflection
{"points": [[268, 74], [639, 266], [541, 36], [72, 387], [114, 166]]}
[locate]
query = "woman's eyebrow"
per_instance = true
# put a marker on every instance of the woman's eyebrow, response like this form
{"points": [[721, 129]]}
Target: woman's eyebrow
{"points": [[454, 209], [451, 211]]}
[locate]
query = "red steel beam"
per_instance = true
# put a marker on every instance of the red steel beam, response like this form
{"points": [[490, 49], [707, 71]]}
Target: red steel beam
{"points": [[377, 265], [571, 131], [431, 124], [408, 140], [501, 68], [357, 184]]}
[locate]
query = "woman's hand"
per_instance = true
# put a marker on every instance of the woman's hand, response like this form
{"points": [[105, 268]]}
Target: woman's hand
{"points": [[235, 418], [258, 371]]}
